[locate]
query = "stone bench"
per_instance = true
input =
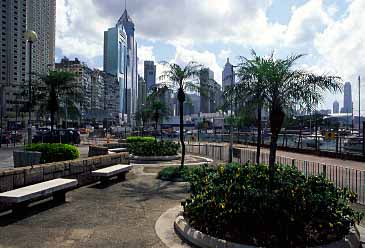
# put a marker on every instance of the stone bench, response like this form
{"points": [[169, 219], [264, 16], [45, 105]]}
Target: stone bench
{"points": [[20, 198], [118, 150], [119, 170]]}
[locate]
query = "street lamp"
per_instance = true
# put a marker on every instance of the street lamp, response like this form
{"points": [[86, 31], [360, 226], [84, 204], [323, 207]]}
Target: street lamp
{"points": [[31, 37]]}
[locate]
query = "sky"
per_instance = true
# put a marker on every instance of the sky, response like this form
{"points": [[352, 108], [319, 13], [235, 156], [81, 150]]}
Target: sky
{"points": [[331, 33]]}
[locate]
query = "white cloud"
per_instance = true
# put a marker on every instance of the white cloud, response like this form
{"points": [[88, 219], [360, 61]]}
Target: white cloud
{"points": [[342, 46], [224, 54], [206, 58], [305, 22], [144, 53], [80, 29]]}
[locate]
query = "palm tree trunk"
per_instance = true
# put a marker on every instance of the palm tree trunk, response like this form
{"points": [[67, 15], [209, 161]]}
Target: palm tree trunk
{"points": [[181, 106], [276, 122], [52, 121], [181, 98], [259, 131]]}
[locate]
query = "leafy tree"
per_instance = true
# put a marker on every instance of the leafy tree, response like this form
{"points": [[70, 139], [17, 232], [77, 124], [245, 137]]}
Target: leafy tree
{"points": [[59, 87], [284, 87], [183, 79]]}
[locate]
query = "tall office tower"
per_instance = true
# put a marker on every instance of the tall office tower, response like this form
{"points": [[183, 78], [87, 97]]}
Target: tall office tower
{"points": [[347, 100], [336, 107], [126, 22], [228, 77], [41, 18], [12, 57], [205, 79], [142, 92], [83, 76], [150, 74], [115, 56], [211, 92]]}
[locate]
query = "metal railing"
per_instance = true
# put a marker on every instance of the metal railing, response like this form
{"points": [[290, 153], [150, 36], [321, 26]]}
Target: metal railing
{"points": [[341, 176]]}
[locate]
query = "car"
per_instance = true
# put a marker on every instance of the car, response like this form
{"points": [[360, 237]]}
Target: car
{"points": [[64, 136]]}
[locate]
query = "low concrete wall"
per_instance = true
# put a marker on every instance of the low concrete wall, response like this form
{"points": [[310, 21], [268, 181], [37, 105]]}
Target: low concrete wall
{"points": [[116, 145], [79, 169], [97, 151]]}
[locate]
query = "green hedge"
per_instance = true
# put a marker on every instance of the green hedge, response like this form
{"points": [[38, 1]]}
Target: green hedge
{"points": [[153, 148], [135, 139], [174, 173], [55, 152], [234, 202]]}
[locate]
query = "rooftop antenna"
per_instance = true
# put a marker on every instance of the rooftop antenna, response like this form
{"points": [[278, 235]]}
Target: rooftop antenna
{"points": [[125, 4]]}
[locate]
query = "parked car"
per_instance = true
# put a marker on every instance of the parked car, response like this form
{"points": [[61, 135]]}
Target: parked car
{"points": [[64, 136]]}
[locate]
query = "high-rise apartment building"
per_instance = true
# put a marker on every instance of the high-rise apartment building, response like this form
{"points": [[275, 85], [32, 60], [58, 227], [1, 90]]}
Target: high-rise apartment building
{"points": [[18, 16], [12, 55], [336, 107], [83, 76], [150, 74], [111, 95], [347, 99], [228, 77], [41, 18]]}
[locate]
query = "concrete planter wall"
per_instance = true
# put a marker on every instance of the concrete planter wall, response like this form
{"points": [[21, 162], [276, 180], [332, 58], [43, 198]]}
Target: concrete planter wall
{"points": [[26, 158], [97, 151], [202, 240], [153, 159]]}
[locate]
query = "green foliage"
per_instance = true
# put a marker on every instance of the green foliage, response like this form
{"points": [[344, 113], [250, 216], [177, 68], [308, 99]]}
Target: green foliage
{"points": [[55, 152], [235, 203], [135, 139], [153, 148], [174, 173]]}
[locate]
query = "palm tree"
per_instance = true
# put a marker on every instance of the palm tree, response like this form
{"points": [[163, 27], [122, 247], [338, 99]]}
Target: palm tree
{"points": [[182, 78], [250, 74], [283, 88], [60, 87]]}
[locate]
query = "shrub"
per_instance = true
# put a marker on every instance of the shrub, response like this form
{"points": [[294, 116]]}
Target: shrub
{"points": [[135, 139], [55, 152], [235, 203], [176, 173], [155, 148]]}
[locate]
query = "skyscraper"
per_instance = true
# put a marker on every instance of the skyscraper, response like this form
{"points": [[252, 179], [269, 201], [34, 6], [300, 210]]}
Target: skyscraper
{"points": [[347, 100], [12, 55], [211, 92], [127, 23], [150, 74], [115, 57], [41, 18], [228, 77], [17, 17], [336, 107]]}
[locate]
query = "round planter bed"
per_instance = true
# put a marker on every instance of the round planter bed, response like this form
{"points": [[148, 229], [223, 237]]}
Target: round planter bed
{"points": [[153, 159], [202, 240]]}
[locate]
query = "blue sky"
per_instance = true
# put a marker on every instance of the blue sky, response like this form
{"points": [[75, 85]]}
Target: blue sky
{"points": [[330, 32]]}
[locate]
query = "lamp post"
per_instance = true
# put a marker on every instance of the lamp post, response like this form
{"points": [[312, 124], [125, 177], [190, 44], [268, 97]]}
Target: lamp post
{"points": [[31, 37]]}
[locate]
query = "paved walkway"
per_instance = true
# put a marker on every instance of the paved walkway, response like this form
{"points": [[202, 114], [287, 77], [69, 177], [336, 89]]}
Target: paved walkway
{"points": [[121, 215]]}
